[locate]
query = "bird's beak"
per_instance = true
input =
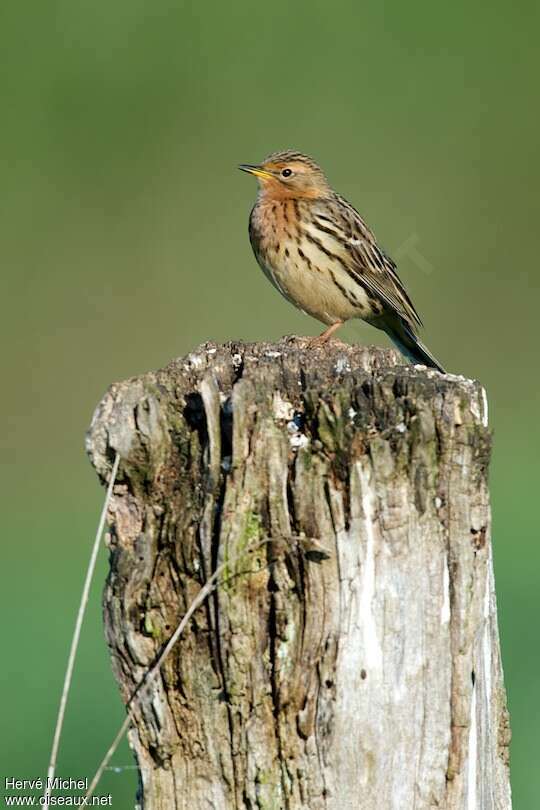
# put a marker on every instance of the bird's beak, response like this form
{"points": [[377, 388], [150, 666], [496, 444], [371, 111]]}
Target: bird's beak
{"points": [[258, 171]]}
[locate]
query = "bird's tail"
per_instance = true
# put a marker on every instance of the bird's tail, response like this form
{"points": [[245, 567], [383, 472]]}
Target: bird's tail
{"points": [[410, 345]]}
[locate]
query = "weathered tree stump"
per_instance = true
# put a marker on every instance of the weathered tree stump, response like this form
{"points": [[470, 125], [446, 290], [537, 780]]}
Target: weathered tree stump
{"points": [[353, 660]]}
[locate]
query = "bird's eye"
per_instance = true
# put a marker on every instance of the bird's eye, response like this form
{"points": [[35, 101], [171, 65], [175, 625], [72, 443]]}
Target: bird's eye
{"points": [[286, 172]]}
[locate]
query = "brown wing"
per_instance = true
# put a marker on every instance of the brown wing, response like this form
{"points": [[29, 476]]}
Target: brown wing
{"points": [[371, 266]]}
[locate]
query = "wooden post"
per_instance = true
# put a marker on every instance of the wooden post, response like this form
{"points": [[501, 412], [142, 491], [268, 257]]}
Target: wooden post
{"points": [[353, 660]]}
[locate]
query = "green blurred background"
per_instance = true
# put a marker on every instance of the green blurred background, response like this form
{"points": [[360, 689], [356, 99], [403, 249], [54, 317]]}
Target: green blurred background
{"points": [[123, 233]]}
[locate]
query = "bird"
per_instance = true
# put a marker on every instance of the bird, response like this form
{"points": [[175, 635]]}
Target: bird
{"points": [[318, 252]]}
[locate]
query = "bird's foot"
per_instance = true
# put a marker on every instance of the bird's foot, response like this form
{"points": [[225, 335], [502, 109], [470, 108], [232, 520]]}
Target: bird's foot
{"points": [[317, 342], [320, 340]]}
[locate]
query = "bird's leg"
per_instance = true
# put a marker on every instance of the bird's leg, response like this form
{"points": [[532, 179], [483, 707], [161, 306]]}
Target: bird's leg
{"points": [[321, 339]]}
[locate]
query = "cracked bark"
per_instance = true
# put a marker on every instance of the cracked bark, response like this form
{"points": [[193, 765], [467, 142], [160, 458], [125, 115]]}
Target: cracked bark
{"points": [[352, 661]]}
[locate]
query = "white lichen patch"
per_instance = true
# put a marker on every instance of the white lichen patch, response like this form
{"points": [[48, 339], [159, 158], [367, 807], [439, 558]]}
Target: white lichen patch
{"points": [[298, 440], [485, 410], [458, 378], [351, 413], [296, 437], [401, 427], [272, 354], [479, 406], [195, 360], [237, 360], [211, 351], [342, 364], [283, 410]]}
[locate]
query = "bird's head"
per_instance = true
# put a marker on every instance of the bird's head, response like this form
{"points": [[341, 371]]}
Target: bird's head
{"points": [[289, 175]]}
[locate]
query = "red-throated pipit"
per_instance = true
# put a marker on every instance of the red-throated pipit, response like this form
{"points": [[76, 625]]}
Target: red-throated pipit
{"points": [[322, 257]]}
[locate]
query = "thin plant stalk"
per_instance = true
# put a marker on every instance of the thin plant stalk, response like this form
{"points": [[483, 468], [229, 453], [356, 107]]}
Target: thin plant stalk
{"points": [[68, 677]]}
